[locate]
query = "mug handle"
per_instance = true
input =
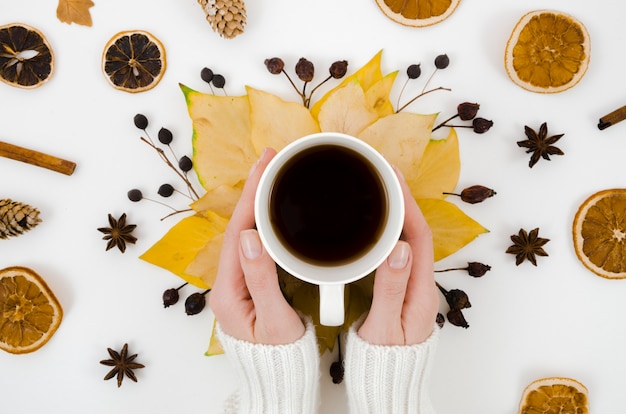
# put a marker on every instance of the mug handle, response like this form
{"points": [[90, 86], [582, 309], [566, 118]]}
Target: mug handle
{"points": [[332, 309]]}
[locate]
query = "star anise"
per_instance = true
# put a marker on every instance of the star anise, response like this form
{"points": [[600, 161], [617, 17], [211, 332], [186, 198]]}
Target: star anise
{"points": [[540, 144], [119, 233], [527, 246], [122, 364]]}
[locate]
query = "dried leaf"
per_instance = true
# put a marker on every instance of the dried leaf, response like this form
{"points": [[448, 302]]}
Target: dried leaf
{"points": [[182, 243], [402, 139], [75, 11], [377, 95], [275, 122], [439, 168], [220, 200], [215, 347], [222, 151], [346, 110], [452, 228]]}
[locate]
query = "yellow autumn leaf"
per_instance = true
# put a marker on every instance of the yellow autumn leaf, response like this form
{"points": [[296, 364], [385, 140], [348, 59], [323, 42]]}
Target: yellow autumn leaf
{"points": [[206, 262], [452, 228], [180, 245], [75, 11], [275, 122], [402, 139], [220, 200], [439, 168], [346, 110], [215, 347], [377, 95], [222, 150], [366, 76]]}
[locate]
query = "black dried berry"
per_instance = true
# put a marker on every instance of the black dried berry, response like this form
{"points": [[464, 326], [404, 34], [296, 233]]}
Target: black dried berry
{"points": [[274, 65], [185, 163], [414, 71], [134, 195], [338, 69], [218, 81], [305, 70], [166, 190], [481, 125], [165, 136], [467, 110], [195, 303], [442, 61], [171, 296], [206, 74], [141, 121]]}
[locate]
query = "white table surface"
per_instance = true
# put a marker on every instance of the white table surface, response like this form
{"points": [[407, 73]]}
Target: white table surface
{"points": [[557, 319]]}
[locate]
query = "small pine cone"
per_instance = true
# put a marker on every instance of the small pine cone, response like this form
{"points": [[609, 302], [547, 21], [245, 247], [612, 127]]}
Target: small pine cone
{"points": [[227, 17], [16, 218]]}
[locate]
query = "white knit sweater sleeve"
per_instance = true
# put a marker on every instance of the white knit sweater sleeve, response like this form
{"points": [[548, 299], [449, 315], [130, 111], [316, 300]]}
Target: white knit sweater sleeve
{"points": [[274, 379], [389, 379]]}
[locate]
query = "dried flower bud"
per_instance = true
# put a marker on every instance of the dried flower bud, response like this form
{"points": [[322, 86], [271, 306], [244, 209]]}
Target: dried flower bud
{"points": [[413, 71], [440, 320], [336, 372], [338, 69], [481, 125], [477, 269], [305, 70], [170, 297], [456, 318], [442, 61], [274, 65], [467, 110], [476, 194]]}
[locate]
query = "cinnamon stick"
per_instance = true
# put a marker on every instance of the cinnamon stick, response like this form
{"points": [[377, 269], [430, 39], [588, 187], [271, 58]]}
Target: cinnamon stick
{"points": [[37, 158], [612, 118]]}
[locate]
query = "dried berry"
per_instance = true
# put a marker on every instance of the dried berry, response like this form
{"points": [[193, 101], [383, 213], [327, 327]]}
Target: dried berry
{"points": [[185, 163], [456, 298], [134, 195], [305, 70], [338, 69], [414, 71], [481, 125], [196, 302], [218, 81], [170, 296], [165, 136], [274, 65], [337, 371], [206, 74], [441, 320], [477, 269], [166, 190], [467, 110], [475, 194], [141, 121], [442, 61]]}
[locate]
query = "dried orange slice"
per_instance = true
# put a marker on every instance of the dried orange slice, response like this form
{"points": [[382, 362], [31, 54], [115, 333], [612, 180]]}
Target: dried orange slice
{"points": [[134, 61], [29, 312], [599, 233], [547, 52], [26, 58], [418, 13], [555, 396]]}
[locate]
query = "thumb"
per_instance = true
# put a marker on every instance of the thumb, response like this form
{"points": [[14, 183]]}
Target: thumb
{"points": [[390, 284], [260, 275]]}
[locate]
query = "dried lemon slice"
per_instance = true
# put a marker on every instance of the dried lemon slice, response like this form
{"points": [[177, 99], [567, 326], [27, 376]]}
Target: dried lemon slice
{"points": [[26, 58], [418, 13], [599, 233], [547, 52], [29, 312], [134, 61], [554, 396]]}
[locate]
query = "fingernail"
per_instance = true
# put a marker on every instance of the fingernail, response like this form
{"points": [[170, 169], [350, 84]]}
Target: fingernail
{"points": [[399, 256], [250, 244]]}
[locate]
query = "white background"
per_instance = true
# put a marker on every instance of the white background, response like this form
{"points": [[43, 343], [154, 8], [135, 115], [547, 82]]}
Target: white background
{"points": [[557, 319]]}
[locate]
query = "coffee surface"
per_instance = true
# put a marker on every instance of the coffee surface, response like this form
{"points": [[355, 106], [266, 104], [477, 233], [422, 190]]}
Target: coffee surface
{"points": [[328, 205]]}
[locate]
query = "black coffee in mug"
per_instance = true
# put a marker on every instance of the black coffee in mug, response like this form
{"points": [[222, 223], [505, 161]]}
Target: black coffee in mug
{"points": [[328, 205]]}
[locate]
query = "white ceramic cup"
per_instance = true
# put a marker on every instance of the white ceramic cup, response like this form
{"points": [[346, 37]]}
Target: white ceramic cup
{"points": [[331, 278]]}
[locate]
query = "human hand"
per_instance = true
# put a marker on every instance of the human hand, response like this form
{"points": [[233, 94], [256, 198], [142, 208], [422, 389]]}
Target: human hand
{"points": [[246, 297], [405, 302]]}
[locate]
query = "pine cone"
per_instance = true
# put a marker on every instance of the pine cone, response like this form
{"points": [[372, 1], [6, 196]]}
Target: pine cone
{"points": [[16, 218], [227, 17]]}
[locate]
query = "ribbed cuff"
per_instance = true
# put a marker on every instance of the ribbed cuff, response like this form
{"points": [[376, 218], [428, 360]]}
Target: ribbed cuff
{"points": [[278, 379], [389, 379]]}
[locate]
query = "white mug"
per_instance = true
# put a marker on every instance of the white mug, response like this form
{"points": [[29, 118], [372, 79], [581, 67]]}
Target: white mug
{"points": [[333, 276]]}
